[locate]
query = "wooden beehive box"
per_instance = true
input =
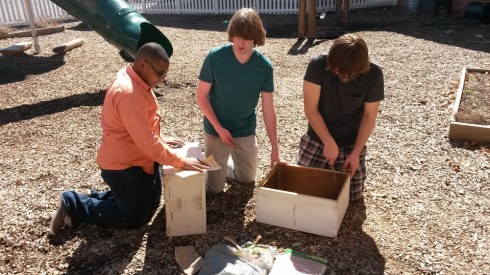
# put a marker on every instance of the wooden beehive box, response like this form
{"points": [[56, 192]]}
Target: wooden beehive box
{"points": [[303, 198], [185, 197], [467, 131]]}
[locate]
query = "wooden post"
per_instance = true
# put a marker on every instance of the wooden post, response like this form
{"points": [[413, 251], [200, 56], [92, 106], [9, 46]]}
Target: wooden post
{"points": [[301, 19], [345, 14], [312, 20], [338, 10], [27, 3], [342, 11]]}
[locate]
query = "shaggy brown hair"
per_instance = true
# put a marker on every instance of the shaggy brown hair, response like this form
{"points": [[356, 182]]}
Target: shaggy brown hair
{"points": [[246, 24], [349, 56]]}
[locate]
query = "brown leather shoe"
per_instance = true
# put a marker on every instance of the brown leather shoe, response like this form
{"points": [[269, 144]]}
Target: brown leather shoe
{"points": [[58, 221]]}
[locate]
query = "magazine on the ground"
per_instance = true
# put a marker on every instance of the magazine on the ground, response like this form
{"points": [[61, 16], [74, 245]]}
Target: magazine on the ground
{"points": [[294, 262]]}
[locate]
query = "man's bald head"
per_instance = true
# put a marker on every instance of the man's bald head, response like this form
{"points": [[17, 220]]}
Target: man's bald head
{"points": [[151, 63], [152, 51]]}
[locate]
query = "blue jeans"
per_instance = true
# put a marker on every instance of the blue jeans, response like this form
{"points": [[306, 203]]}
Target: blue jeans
{"points": [[131, 201]]}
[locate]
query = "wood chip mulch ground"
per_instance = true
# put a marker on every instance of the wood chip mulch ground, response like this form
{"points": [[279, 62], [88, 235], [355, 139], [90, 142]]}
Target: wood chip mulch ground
{"points": [[426, 208]]}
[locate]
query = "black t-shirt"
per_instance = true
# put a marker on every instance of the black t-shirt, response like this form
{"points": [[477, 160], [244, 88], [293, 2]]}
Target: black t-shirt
{"points": [[342, 104]]}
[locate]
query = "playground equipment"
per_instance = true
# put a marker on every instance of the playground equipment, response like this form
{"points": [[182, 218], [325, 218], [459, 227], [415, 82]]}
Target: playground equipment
{"points": [[68, 46], [118, 23], [16, 48]]}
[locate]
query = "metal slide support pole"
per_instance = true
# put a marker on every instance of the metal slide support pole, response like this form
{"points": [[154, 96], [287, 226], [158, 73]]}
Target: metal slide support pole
{"points": [[27, 4]]}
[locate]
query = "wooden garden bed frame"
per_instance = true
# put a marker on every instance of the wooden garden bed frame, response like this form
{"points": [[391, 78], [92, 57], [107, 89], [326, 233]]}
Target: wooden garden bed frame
{"points": [[467, 131]]}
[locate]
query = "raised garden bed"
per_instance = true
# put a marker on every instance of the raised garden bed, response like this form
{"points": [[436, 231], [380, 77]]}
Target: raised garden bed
{"points": [[471, 112]]}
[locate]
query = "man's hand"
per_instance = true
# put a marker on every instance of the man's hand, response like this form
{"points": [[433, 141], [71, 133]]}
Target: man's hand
{"points": [[351, 163], [331, 152], [275, 157], [194, 164], [226, 137]]}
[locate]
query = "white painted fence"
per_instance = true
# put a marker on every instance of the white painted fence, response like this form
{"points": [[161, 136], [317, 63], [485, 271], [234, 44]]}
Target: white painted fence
{"points": [[13, 12], [230, 6]]}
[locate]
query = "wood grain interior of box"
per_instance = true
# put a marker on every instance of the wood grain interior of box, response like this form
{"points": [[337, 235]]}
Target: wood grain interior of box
{"points": [[306, 181]]}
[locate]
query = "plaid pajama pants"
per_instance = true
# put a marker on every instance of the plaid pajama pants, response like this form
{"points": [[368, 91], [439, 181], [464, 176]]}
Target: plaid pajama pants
{"points": [[311, 155]]}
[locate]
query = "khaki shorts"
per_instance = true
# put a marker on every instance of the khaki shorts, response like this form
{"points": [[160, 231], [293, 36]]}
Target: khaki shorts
{"points": [[237, 164]]}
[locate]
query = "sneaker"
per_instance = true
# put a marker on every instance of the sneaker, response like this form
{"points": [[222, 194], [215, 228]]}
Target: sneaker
{"points": [[58, 221], [89, 193], [232, 181]]}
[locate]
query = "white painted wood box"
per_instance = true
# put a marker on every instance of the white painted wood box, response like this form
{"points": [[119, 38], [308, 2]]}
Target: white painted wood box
{"points": [[303, 198], [185, 197]]}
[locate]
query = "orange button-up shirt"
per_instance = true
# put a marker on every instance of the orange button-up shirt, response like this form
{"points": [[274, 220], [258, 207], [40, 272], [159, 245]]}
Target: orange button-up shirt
{"points": [[131, 127]]}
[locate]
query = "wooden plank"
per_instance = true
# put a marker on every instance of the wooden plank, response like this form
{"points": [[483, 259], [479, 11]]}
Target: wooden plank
{"points": [[465, 131], [69, 45], [313, 182], [41, 31], [460, 91], [297, 212], [16, 48], [477, 70], [343, 200]]}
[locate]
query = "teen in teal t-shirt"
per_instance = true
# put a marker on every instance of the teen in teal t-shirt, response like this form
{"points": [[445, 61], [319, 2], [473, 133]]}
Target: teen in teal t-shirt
{"points": [[237, 90], [232, 79]]}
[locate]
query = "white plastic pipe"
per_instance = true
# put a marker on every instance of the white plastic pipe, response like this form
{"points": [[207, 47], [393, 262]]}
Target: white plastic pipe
{"points": [[27, 4]]}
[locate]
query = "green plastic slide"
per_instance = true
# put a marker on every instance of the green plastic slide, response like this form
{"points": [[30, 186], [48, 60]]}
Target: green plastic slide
{"points": [[118, 23]]}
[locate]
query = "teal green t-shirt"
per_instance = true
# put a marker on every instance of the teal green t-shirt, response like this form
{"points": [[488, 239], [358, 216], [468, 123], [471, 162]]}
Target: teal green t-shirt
{"points": [[235, 89]]}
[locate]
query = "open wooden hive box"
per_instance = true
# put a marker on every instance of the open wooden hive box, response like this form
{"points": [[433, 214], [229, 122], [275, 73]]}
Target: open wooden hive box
{"points": [[460, 130], [303, 198]]}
